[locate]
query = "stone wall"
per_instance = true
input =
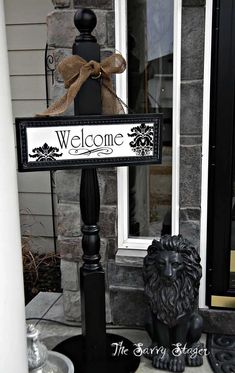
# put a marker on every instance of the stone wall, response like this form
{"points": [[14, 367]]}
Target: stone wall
{"points": [[61, 35], [192, 64], [124, 279]]}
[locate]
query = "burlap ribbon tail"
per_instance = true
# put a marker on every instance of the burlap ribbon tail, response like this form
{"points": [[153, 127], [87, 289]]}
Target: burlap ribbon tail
{"points": [[75, 71]]}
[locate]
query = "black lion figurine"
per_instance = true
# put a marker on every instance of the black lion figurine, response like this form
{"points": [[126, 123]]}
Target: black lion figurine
{"points": [[172, 274]]}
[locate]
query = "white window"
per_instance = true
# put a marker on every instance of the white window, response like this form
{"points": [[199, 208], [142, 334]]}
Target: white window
{"points": [[148, 34]]}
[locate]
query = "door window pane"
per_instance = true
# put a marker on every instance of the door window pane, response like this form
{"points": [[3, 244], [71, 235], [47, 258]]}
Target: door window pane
{"points": [[232, 253], [150, 82]]}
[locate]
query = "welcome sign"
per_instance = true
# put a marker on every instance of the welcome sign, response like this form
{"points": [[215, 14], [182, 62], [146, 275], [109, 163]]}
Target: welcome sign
{"points": [[47, 143]]}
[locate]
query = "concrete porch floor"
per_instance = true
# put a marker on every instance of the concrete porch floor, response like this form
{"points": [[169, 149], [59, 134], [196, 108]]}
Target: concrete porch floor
{"points": [[50, 306]]}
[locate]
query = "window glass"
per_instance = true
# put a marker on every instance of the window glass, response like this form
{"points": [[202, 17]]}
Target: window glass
{"points": [[150, 83], [232, 253]]}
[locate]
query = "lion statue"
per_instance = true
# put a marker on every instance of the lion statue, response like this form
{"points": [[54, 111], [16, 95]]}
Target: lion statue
{"points": [[172, 274]]}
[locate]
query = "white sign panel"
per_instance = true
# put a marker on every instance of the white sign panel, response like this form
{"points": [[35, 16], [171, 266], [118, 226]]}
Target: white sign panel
{"points": [[66, 142]]}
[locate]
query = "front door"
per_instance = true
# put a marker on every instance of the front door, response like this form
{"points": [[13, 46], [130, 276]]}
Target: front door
{"points": [[221, 193]]}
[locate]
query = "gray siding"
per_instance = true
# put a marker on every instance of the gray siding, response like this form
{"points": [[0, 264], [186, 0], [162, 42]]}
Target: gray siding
{"points": [[26, 37]]}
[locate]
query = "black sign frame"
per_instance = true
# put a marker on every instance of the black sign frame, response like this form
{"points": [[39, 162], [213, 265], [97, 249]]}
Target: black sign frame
{"points": [[22, 124]]}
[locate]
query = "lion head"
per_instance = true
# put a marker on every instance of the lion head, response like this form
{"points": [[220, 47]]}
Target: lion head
{"points": [[172, 274]]}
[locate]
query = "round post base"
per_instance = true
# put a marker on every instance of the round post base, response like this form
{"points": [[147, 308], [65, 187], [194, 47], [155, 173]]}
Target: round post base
{"points": [[120, 355]]}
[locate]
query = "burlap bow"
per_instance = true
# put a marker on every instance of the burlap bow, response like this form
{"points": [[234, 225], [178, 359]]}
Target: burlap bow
{"points": [[75, 71]]}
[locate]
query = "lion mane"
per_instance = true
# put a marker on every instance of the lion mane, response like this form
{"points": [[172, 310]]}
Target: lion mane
{"points": [[171, 303]]}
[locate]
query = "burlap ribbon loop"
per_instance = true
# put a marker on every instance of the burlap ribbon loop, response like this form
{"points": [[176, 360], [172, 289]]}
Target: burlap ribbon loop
{"points": [[75, 71]]}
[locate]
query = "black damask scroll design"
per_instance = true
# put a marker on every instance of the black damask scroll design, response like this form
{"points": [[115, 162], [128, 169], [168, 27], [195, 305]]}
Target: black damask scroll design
{"points": [[142, 144], [45, 153]]}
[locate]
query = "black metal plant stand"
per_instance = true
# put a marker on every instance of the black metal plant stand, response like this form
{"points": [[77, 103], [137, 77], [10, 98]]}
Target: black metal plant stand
{"points": [[93, 352]]}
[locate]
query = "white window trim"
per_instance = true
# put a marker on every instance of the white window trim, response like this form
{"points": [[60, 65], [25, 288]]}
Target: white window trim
{"points": [[137, 246], [205, 148]]}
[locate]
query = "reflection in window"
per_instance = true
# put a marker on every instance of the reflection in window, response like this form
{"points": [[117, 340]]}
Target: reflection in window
{"points": [[150, 76]]}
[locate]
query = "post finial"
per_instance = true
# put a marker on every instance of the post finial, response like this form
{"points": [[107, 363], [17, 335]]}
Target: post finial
{"points": [[85, 21]]}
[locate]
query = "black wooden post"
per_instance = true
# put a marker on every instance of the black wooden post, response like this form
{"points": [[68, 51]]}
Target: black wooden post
{"points": [[88, 101], [94, 351]]}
